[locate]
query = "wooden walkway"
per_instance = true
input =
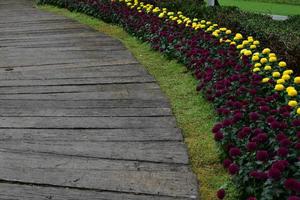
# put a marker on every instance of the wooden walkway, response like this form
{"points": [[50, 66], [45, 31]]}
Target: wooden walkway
{"points": [[80, 118]]}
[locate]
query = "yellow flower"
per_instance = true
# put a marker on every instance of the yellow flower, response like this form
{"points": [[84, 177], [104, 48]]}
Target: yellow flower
{"points": [[267, 67], [256, 69], [257, 65], [298, 111], [227, 40], [282, 64], [240, 46], [265, 80], [266, 51], [276, 74], [292, 93], [272, 59], [290, 88], [195, 20], [252, 46], [245, 42], [279, 87], [297, 80], [161, 15], [233, 43], [293, 103], [255, 58], [248, 53], [202, 21], [272, 55], [286, 77], [256, 42], [238, 36], [228, 32], [263, 60], [179, 21], [280, 81], [288, 72]]}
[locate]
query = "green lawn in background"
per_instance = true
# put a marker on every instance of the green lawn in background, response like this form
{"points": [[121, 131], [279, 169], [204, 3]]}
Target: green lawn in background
{"points": [[194, 115], [296, 2], [263, 7]]}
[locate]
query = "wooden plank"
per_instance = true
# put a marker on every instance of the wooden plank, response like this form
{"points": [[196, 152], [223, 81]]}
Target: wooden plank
{"points": [[87, 122], [92, 174], [86, 135], [9, 191], [77, 112]]}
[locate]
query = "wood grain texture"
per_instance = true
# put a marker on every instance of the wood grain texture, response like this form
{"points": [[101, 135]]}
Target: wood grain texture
{"points": [[80, 118]]}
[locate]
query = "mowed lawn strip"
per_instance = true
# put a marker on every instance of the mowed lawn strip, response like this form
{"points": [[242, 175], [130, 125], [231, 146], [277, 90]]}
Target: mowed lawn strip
{"points": [[194, 115]]}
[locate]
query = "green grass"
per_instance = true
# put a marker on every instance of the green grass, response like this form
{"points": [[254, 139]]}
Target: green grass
{"points": [[263, 7], [194, 115], [293, 2]]}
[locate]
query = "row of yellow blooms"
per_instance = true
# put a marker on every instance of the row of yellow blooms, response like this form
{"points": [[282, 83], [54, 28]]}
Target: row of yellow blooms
{"points": [[265, 63]]}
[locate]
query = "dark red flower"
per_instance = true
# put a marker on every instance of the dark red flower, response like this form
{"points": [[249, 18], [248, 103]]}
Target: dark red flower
{"points": [[258, 175], [282, 152], [233, 169], [251, 146], [264, 108], [262, 155], [292, 184], [217, 128], [296, 122], [221, 194], [219, 136], [274, 173], [281, 136], [253, 116], [226, 163], [280, 164], [285, 142], [234, 151], [262, 137], [293, 198]]}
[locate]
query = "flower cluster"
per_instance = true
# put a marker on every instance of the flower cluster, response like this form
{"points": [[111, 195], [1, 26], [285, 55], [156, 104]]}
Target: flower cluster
{"points": [[254, 94]]}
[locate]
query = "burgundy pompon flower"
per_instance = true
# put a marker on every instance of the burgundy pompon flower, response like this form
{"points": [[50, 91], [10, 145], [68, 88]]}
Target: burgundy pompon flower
{"points": [[221, 194], [233, 169], [262, 137], [262, 155], [292, 184], [217, 128], [258, 175], [280, 164], [280, 136], [293, 198], [251, 146], [264, 108], [285, 142], [234, 151], [253, 116], [226, 163], [296, 122], [218, 136], [282, 152], [274, 173]]}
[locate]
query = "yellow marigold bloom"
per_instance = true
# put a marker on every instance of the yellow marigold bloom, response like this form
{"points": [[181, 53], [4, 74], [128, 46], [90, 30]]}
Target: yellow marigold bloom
{"points": [[248, 53], [276, 74], [290, 88], [292, 93], [272, 55], [161, 15], [279, 87], [298, 111], [240, 46], [255, 58], [272, 59], [179, 21], [227, 41], [293, 103], [263, 60], [179, 13], [233, 43], [245, 42], [267, 67], [250, 39], [297, 80], [256, 69], [208, 23], [202, 26], [286, 77], [221, 40], [280, 81], [238, 36], [265, 80], [195, 20], [242, 51], [266, 51], [202, 21], [282, 64], [288, 72], [257, 65], [256, 42], [228, 32], [223, 29], [215, 34], [253, 46]]}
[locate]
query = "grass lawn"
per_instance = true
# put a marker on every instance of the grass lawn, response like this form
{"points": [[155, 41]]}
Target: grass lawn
{"points": [[263, 7], [296, 2], [194, 115]]}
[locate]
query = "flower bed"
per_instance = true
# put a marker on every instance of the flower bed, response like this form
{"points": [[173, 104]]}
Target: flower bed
{"points": [[254, 94]]}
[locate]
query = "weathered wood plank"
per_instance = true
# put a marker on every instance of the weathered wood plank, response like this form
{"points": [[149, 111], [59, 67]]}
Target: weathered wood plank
{"points": [[86, 112], [69, 171], [86, 135], [10, 191], [87, 122]]}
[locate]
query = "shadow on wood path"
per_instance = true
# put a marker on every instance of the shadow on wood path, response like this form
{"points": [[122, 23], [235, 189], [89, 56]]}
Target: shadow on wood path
{"points": [[80, 118]]}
